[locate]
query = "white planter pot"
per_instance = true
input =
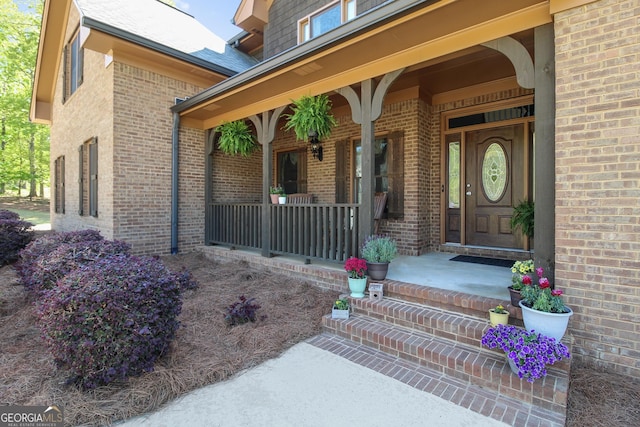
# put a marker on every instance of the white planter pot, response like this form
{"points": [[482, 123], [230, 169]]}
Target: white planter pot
{"points": [[282, 200], [553, 325], [339, 314]]}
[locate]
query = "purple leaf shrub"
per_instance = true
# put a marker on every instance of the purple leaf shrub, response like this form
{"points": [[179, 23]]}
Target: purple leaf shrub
{"points": [[112, 318], [242, 311], [15, 234]]}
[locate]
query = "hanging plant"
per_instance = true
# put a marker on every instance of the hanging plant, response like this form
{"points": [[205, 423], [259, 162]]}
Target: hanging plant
{"points": [[236, 138], [311, 114], [523, 218]]}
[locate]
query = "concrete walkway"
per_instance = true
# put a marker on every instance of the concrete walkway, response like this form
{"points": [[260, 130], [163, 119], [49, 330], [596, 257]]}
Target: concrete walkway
{"points": [[310, 387]]}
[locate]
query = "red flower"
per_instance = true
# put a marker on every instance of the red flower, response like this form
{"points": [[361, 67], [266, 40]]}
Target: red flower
{"points": [[556, 292], [526, 280], [355, 267], [544, 283]]}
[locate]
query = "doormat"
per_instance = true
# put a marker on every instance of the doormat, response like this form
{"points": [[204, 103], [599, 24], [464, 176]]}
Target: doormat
{"points": [[482, 260]]}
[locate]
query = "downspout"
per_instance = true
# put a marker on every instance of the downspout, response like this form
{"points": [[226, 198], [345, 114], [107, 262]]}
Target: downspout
{"points": [[174, 183]]}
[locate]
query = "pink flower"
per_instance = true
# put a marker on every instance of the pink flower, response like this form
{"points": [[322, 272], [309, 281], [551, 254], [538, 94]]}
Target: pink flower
{"points": [[544, 283], [540, 271], [526, 280], [556, 292]]}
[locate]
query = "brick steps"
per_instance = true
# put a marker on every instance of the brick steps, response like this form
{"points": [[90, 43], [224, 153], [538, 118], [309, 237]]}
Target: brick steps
{"points": [[446, 343]]}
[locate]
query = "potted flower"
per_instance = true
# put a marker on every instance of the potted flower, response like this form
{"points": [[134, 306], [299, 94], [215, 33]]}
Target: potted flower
{"points": [[356, 269], [519, 269], [543, 310], [236, 138], [340, 309], [379, 251], [274, 193], [311, 114], [528, 353], [498, 316]]}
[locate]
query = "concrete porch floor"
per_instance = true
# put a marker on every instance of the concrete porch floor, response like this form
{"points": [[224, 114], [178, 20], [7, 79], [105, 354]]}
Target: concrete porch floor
{"points": [[438, 271], [433, 269]]}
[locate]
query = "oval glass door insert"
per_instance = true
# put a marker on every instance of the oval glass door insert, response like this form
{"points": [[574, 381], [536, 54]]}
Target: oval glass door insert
{"points": [[494, 172]]}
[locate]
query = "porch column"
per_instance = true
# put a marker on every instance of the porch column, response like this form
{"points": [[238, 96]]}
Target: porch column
{"points": [[365, 110], [544, 153], [266, 130]]}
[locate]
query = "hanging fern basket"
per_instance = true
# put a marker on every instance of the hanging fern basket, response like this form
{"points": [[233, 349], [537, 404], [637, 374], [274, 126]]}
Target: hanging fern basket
{"points": [[236, 139], [311, 114]]}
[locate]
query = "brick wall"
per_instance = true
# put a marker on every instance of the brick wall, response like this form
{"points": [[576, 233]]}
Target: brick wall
{"points": [[85, 114], [598, 179], [142, 163]]}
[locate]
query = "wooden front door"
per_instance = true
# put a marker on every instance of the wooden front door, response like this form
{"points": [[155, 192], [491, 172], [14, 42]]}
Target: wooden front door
{"points": [[494, 181]]}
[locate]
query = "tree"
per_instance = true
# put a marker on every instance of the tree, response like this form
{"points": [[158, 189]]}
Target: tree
{"points": [[24, 146]]}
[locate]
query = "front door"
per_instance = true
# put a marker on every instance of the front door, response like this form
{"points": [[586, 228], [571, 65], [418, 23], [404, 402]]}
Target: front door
{"points": [[494, 181]]}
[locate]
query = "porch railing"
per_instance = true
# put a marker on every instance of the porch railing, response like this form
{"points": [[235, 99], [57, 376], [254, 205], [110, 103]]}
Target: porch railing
{"points": [[320, 231]]}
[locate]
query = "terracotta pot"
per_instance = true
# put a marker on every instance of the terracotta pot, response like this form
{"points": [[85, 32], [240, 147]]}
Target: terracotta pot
{"points": [[274, 198], [377, 270]]}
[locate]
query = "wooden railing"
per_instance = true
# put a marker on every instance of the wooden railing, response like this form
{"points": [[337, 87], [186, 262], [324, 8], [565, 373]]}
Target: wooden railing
{"points": [[328, 232]]}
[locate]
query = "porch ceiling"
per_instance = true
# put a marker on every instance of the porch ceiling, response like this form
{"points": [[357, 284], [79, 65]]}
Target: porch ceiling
{"points": [[437, 41]]}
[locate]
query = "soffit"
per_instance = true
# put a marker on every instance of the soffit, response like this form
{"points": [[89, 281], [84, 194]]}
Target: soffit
{"points": [[438, 44]]}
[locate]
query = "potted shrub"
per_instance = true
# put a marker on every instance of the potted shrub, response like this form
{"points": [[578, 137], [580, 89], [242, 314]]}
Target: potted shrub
{"points": [[311, 114], [498, 316], [378, 251], [356, 268], [543, 310], [519, 269], [236, 138], [528, 353], [340, 309], [275, 193], [522, 218]]}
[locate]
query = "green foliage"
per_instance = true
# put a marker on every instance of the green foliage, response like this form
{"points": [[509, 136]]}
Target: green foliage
{"points": [[236, 138], [24, 146], [522, 218], [311, 113], [277, 190], [379, 249], [341, 304]]}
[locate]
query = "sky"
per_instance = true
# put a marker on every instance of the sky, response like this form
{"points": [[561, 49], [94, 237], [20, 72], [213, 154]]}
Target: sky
{"points": [[216, 15]]}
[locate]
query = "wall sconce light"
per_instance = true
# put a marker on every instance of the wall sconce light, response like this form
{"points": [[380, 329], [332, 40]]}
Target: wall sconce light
{"points": [[316, 147]]}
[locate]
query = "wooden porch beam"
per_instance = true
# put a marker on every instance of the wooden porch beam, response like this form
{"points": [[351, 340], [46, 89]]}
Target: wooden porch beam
{"points": [[519, 57], [266, 130]]}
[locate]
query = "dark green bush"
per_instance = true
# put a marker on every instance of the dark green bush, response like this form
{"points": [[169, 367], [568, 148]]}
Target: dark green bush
{"points": [[15, 234], [111, 318]]}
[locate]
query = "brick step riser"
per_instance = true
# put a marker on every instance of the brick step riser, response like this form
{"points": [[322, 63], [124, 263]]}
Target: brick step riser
{"points": [[439, 323], [479, 366], [459, 302]]}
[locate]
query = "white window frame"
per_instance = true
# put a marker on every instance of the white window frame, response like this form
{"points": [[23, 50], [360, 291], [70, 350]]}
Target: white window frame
{"points": [[304, 24]]}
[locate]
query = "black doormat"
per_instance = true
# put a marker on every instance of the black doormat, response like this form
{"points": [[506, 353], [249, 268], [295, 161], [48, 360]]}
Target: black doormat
{"points": [[482, 260]]}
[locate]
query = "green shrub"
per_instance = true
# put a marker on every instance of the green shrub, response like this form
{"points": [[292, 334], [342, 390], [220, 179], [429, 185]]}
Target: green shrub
{"points": [[378, 248]]}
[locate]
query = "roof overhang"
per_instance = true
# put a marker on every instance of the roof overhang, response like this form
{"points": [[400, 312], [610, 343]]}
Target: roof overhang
{"points": [[121, 45], [398, 34], [54, 25]]}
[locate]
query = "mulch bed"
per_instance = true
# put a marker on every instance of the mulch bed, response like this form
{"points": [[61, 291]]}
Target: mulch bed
{"points": [[205, 350]]}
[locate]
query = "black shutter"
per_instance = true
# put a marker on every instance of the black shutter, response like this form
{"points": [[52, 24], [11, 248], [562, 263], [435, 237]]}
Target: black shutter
{"points": [[62, 190], [93, 176], [342, 171], [81, 180], [395, 159], [65, 73]]}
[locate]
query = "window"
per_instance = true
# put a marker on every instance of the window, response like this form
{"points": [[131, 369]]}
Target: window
{"points": [[388, 171], [88, 172], [58, 180], [292, 171], [73, 59], [326, 19]]}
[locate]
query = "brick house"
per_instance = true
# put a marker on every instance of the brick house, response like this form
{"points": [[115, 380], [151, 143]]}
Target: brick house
{"points": [[457, 113]]}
